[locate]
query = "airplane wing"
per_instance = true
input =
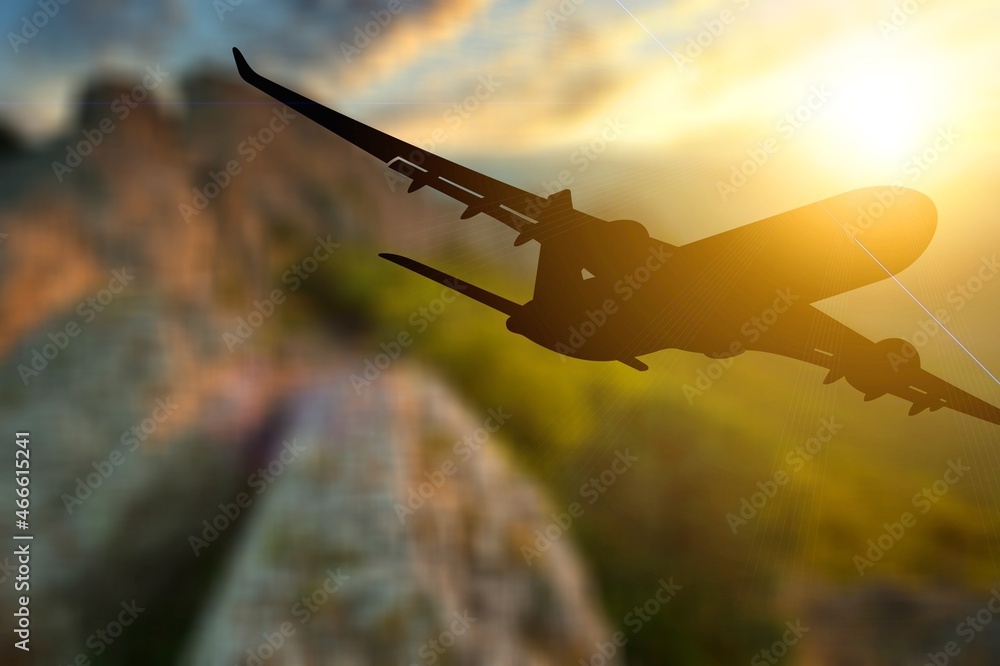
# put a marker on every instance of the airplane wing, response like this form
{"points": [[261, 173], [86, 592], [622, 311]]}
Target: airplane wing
{"points": [[827, 247], [888, 367], [516, 208]]}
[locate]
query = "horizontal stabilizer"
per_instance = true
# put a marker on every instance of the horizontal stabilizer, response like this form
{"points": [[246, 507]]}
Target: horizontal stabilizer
{"points": [[498, 303]]}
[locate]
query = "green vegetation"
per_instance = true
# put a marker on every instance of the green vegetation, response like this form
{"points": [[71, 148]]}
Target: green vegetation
{"points": [[666, 517]]}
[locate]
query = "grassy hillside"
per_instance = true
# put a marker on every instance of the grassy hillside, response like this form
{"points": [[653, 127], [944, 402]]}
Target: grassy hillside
{"points": [[676, 511]]}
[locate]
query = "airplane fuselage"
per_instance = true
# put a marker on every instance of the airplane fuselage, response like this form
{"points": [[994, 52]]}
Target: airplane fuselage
{"points": [[647, 298]]}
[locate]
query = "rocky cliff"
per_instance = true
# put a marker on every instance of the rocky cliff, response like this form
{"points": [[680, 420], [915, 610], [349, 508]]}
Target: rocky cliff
{"points": [[204, 503]]}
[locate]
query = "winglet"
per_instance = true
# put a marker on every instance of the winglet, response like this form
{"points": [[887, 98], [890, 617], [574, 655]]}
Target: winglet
{"points": [[246, 72]]}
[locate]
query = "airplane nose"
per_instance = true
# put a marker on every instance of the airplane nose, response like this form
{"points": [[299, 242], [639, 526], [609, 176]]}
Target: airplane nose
{"points": [[927, 204], [895, 224]]}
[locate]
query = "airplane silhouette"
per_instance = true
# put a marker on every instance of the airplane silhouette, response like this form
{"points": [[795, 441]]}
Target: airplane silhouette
{"points": [[607, 291]]}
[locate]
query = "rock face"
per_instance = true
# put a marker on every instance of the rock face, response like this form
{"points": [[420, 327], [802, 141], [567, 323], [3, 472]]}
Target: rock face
{"points": [[392, 534], [371, 527], [126, 452], [161, 477]]}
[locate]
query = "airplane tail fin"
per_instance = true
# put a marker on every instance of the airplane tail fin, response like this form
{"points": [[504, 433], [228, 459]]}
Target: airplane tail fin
{"points": [[498, 303]]}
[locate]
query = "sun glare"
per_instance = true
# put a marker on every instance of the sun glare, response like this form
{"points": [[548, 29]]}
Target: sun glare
{"points": [[884, 113]]}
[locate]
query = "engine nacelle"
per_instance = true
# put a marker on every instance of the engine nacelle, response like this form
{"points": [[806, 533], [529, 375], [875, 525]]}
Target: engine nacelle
{"points": [[888, 364], [631, 229], [901, 355]]}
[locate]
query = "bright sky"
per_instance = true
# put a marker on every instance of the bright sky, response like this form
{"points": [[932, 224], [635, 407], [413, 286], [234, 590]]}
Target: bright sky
{"points": [[676, 95]]}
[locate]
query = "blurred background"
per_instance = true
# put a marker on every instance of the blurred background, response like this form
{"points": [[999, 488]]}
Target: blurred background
{"points": [[255, 442]]}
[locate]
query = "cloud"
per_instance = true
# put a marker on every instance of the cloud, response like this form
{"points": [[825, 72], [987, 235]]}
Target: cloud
{"points": [[560, 79]]}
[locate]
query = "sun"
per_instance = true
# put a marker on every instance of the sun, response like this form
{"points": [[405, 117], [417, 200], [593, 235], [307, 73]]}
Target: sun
{"points": [[884, 112]]}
